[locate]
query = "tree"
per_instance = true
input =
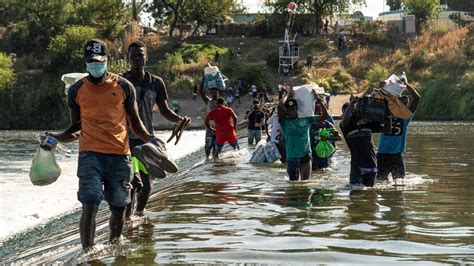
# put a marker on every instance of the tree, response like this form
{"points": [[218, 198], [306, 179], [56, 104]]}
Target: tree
{"points": [[174, 13], [319, 8], [65, 50], [394, 4], [7, 75], [422, 9], [461, 5], [31, 24], [110, 17]]}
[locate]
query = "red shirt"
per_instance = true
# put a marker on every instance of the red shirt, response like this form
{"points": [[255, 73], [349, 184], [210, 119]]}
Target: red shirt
{"points": [[222, 117]]}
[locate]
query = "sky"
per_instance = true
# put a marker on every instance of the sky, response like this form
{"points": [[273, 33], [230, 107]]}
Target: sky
{"points": [[373, 8]]}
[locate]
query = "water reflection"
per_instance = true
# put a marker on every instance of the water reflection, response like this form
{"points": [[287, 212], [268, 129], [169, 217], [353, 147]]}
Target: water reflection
{"points": [[235, 212]]}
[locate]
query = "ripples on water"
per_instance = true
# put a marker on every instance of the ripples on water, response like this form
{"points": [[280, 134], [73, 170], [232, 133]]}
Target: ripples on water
{"points": [[235, 212]]}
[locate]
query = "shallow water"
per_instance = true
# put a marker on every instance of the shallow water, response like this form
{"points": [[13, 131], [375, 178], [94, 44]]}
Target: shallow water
{"points": [[235, 212]]}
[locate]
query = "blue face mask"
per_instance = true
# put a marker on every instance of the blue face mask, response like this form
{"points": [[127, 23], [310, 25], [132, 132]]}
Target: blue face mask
{"points": [[96, 69]]}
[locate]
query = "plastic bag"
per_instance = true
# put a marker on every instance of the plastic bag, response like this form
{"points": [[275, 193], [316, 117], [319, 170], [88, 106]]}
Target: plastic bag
{"points": [[305, 99], [324, 148], [394, 85], [44, 169], [213, 78], [271, 152], [258, 156], [72, 78]]}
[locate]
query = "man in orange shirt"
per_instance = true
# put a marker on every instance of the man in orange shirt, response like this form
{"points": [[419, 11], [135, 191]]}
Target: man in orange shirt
{"points": [[100, 104], [225, 121]]}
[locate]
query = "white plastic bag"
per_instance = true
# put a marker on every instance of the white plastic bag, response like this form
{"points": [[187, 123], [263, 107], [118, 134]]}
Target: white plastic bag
{"points": [[305, 99], [258, 155], [213, 78], [272, 154], [394, 85], [72, 78], [44, 169]]}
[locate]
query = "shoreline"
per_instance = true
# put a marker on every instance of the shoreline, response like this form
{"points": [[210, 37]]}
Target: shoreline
{"points": [[196, 110]]}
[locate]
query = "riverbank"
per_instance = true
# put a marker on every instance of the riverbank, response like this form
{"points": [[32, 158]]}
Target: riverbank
{"points": [[196, 109]]}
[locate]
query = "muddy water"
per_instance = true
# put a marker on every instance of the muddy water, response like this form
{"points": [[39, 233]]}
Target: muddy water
{"points": [[235, 212]]}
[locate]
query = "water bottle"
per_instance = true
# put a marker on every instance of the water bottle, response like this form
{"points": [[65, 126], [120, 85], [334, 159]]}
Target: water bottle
{"points": [[48, 142]]}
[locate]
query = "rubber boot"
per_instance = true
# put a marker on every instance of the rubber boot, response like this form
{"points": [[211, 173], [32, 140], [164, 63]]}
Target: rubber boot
{"points": [[87, 225]]}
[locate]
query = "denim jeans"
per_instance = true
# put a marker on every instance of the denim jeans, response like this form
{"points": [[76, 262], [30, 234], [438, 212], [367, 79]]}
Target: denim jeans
{"points": [[254, 134], [102, 176]]}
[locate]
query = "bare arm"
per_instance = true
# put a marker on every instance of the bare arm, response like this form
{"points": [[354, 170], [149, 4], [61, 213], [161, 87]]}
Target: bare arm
{"points": [[281, 105], [416, 97], [204, 97], [235, 120], [137, 125], [167, 113], [72, 132], [208, 126], [348, 113]]}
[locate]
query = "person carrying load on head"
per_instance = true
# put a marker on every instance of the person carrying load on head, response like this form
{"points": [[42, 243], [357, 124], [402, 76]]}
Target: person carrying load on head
{"points": [[358, 123], [150, 90], [296, 131], [213, 81], [102, 107], [392, 144], [225, 121]]}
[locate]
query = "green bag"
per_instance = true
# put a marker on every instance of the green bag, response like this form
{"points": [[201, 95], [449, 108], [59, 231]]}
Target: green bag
{"points": [[44, 169], [324, 148]]}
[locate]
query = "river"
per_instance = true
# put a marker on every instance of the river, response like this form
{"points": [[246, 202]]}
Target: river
{"points": [[232, 211]]}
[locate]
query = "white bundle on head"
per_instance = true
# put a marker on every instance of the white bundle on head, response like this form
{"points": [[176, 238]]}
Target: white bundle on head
{"points": [[394, 85]]}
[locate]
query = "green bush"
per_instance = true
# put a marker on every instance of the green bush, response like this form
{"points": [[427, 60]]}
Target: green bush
{"points": [[182, 85], [117, 66], [254, 74], [38, 100], [171, 66], [375, 75], [65, 51], [316, 45], [342, 82], [193, 52], [419, 59], [7, 75]]}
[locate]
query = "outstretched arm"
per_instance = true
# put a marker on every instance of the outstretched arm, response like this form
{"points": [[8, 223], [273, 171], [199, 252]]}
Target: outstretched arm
{"points": [[72, 132], [167, 113]]}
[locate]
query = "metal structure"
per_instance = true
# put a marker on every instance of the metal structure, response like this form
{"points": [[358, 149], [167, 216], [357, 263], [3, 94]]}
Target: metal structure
{"points": [[289, 51]]}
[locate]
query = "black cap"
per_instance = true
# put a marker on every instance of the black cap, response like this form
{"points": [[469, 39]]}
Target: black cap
{"points": [[95, 49]]}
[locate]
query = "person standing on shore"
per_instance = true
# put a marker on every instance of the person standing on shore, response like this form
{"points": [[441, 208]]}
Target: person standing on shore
{"points": [[99, 106], [392, 145], [150, 90]]}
